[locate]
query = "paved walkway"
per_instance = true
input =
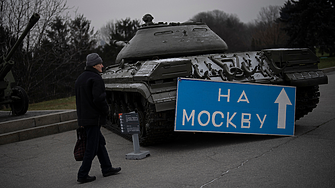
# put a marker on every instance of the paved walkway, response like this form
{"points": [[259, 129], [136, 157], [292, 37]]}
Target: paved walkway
{"points": [[192, 160]]}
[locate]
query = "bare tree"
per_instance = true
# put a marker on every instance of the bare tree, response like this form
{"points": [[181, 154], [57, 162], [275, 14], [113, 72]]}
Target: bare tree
{"points": [[228, 27], [268, 15], [105, 31], [16, 13], [268, 31]]}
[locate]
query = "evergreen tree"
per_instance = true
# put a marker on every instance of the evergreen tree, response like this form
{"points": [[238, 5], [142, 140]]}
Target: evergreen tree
{"points": [[228, 27], [122, 30], [61, 58], [52, 63], [310, 23], [267, 31]]}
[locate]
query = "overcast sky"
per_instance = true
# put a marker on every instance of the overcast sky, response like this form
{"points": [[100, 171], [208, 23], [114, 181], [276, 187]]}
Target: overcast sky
{"points": [[99, 12]]}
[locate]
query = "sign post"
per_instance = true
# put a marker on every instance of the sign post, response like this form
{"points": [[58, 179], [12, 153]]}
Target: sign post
{"points": [[129, 123], [231, 107]]}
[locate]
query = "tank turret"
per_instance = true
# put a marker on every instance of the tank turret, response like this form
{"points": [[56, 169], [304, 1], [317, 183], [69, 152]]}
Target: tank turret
{"points": [[163, 40], [11, 94], [144, 78]]}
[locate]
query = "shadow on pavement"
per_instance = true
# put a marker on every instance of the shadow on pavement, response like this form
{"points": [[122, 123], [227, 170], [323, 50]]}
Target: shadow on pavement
{"points": [[191, 141]]}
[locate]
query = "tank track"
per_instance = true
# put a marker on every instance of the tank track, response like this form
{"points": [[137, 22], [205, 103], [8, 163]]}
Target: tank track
{"points": [[113, 122], [158, 127], [307, 99], [115, 129]]}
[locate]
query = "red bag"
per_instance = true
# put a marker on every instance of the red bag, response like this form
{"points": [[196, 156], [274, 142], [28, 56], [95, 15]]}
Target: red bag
{"points": [[79, 148]]}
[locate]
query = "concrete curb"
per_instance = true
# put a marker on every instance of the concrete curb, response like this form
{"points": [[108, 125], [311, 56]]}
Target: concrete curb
{"points": [[33, 127], [327, 70]]}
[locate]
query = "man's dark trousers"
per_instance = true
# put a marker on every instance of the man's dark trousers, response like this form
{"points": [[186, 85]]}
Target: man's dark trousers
{"points": [[95, 145]]}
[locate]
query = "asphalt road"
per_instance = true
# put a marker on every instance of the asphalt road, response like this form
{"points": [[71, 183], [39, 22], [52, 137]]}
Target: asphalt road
{"points": [[192, 160]]}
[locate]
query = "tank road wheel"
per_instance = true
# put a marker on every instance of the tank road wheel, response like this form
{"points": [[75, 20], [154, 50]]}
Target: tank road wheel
{"points": [[156, 127], [114, 122], [142, 120], [20, 101], [145, 115], [114, 113]]}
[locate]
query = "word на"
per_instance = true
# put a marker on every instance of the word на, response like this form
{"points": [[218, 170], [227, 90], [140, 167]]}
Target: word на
{"points": [[243, 96]]}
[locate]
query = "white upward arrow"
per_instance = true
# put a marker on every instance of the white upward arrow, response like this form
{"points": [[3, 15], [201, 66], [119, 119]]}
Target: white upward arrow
{"points": [[282, 101]]}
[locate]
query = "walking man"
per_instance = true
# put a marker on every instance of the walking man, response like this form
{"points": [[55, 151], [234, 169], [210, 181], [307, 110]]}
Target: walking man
{"points": [[92, 110]]}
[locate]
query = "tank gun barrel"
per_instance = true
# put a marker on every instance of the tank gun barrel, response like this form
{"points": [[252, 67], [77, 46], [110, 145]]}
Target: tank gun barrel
{"points": [[34, 18], [6, 65]]}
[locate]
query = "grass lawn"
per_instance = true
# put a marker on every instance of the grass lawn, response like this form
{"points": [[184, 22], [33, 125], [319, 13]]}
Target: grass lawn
{"points": [[326, 62], [57, 104]]}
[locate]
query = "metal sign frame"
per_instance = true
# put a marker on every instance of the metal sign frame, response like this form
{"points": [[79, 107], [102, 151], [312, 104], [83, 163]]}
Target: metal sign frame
{"points": [[129, 123]]}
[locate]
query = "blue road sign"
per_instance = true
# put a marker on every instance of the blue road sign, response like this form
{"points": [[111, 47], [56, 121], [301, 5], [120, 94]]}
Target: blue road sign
{"points": [[230, 107]]}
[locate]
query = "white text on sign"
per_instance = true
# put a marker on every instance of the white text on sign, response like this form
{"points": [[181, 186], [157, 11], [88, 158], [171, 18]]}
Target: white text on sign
{"points": [[245, 117]]}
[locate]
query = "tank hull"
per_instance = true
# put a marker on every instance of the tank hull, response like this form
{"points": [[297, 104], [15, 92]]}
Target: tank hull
{"points": [[149, 87]]}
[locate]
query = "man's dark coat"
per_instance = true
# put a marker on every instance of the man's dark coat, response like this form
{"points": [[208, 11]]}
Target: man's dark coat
{"points": [[92, 107]]}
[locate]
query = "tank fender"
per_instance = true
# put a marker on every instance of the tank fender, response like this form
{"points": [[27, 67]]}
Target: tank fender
{"points": [[306, 78], [247, 71], [163, 101], [141, 88], [274, 67]]}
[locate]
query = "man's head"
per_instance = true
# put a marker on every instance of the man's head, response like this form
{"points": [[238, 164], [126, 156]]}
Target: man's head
{"points": [[95, 61]]}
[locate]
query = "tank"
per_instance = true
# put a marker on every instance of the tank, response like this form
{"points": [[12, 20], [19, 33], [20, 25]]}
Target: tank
{"points": [[10, 93], [144, 78]]}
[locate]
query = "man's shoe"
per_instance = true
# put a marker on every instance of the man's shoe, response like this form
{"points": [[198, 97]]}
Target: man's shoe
{"points": [[112, 171], [87, 179]]}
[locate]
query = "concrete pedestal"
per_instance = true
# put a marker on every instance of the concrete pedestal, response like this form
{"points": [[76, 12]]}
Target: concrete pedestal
{"points": [[137, 154]]}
